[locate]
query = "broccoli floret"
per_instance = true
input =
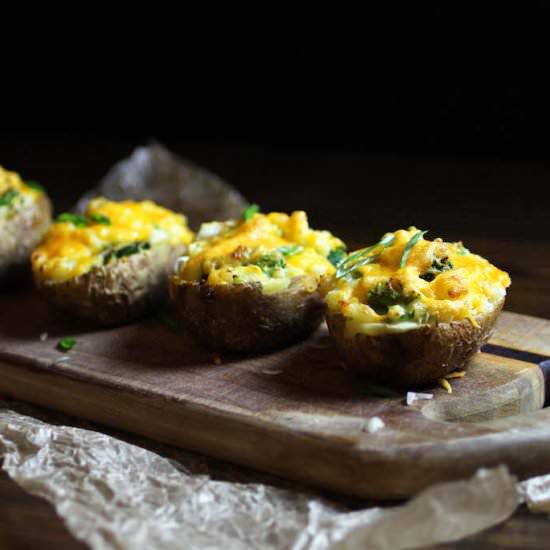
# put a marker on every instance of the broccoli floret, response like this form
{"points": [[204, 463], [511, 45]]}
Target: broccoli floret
{"points": [[438, 266], [268, 263], [387, 294]]}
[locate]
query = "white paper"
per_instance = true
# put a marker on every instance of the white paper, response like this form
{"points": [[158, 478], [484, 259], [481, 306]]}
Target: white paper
{"points": [[375, 424], [536, 492], [114, 495], [155, 173], [413, 397]]}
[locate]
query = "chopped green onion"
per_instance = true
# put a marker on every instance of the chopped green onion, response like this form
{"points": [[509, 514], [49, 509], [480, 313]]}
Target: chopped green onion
{"points": [[67, 343], [76, 219], [409, 246], [8, 196], [336, 255], [363, 257], [290, 250], [110, 253], [341, 272], [461, 249], [249, 212], [127, 250], [34, 185], [100, 218], [131, 249]]}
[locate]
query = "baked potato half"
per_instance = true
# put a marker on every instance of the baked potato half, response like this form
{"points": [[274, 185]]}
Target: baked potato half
{"points": [[408, 311], [111, 265], [250, 285], [25, 213]]}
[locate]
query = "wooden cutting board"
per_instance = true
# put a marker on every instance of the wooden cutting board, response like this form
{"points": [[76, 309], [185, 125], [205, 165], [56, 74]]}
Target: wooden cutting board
{"points": [[296, 412]]}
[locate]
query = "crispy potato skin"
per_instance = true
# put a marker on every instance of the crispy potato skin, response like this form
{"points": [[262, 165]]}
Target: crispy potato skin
{"points": [[414, 357], [117, 293], [242, 318], [19, 236]]}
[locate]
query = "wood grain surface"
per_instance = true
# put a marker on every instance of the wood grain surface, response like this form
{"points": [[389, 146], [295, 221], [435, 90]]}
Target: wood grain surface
{"points": [[506, 227], [295, 412]]}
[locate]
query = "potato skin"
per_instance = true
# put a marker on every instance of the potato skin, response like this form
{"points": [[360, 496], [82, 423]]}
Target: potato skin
{"points": [[242, 318], [116, 293], [18, 238], [414, 357]]}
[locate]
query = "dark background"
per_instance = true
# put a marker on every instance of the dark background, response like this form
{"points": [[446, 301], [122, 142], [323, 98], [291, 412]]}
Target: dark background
{"points": [[431, 116]]}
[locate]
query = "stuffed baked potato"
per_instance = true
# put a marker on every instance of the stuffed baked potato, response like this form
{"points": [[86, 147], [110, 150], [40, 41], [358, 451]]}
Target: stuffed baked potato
{"points": [[407, 311], [111, 265], [252, 284], [25, 213]]}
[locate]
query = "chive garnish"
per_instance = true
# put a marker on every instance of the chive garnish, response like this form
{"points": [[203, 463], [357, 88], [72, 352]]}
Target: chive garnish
{"points": [[67, 343], [7, 197], [336, 255], [461, 249], [34, 185], [100, 218], [76, 219], [131, 249], [363, 257], [409, 246], [249, 212], [111, 253], [290, 249]]}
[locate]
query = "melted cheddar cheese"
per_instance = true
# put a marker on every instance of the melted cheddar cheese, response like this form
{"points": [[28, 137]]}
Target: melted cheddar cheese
{"points": [[406, 284], [269, 249], [107, 232], [14, 194]]}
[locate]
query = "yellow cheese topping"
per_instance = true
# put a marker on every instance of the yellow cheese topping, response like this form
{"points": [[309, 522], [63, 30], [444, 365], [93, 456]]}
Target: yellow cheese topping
{"points": [[14, 193], [110, 231], [411, 281], [269, 249]]}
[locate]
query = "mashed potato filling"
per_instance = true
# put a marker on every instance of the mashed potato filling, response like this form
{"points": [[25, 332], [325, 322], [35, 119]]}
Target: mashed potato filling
{"points": [[14, 194], [269, 249], [107, 232], [408, 281]]}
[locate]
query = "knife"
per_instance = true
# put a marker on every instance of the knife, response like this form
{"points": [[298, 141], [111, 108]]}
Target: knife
{"points": [[542, 361]]}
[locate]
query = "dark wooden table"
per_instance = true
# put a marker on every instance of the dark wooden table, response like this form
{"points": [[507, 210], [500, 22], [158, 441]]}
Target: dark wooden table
{"points": [[511, 239]]}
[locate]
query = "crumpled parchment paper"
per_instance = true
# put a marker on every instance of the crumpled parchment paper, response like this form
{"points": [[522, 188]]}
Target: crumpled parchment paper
{"points": [[536, 492], [114, 495], [154, 173]]}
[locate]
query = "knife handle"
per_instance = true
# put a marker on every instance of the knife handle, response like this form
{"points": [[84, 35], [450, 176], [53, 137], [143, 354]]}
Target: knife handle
{"points": [[544, 366], [542, 361]]}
